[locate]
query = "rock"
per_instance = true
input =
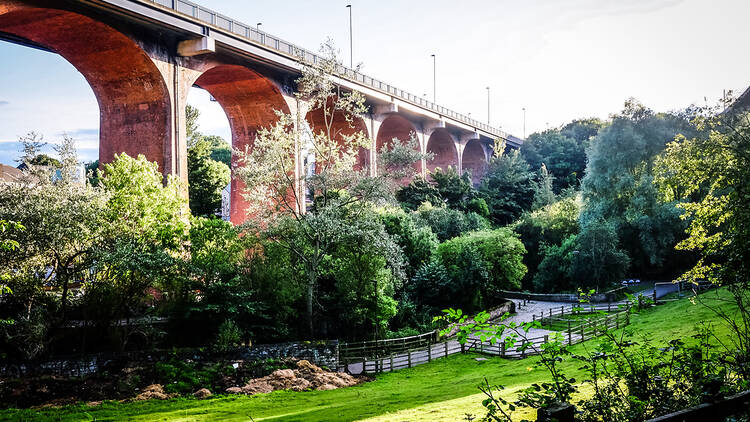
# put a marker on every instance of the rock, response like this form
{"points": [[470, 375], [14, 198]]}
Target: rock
{"points": [[202, 393], [233, 390], [93, 403], [326, 387]]}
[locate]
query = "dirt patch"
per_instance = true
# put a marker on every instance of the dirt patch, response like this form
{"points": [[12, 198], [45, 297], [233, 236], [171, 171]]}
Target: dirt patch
{"points": [[153, 391], [307, 376]]}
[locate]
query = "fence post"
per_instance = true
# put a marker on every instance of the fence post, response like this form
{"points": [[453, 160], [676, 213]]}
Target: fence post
{"points": [[391, 364], [429, 353], [583, 333], [654, 295], [502, 348], [546, 338], [446, 348], [523, 349], [550, 313], [533, 317], [409, 353], [617, 320], [570, 334], [609, 307], [562, 310]]}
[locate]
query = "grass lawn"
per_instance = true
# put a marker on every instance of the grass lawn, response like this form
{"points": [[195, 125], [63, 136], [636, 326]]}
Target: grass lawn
{"points": [[442, 390]]}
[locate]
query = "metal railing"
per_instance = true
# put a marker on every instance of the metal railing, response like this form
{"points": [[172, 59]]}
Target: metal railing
{"points": [[256, 36]]}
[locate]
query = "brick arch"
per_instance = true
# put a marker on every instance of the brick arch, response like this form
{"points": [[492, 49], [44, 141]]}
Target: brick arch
{"points": [[319, 121], [443, 147], [474, 160], [249, 101], [134, 103], [399, 127]]}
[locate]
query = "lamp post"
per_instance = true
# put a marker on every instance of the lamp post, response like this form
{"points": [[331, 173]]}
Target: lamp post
{"points": [[434, 80], [488, 105], [524, 122], [257, 26], [351, 42]]}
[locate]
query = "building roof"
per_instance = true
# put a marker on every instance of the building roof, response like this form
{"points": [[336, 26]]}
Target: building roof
{"points": [[9, 174]]}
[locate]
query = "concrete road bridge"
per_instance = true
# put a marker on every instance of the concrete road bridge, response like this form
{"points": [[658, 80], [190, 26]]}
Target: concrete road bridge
{"points": [[141, 57]]}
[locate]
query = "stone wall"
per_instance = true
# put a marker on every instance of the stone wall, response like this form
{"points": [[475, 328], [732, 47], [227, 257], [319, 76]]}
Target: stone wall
{"points": [[321, 353]]}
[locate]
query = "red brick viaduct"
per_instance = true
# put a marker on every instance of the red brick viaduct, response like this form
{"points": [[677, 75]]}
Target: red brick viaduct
{"points": [[141, 57]]}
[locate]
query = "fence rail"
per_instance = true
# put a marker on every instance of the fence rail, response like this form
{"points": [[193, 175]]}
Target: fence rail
{"points": [[375, 357], [254, 35]]}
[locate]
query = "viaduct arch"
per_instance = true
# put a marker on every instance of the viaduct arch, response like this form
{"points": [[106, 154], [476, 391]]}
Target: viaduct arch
{"points": [[134, 103], [249, 101], [396, 126], [474, 160], [341, 126], [443, 147]]}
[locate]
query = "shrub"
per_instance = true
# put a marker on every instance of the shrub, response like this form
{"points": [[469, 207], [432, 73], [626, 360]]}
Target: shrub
{"points": [[481, 263], [448, 223], [228, 337]]}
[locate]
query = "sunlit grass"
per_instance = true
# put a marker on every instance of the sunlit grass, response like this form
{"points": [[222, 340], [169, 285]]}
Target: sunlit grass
{"points": [[445, 389]]}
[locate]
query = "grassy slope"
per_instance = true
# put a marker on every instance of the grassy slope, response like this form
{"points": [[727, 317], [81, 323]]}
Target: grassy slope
{"points": [[442, 390]]}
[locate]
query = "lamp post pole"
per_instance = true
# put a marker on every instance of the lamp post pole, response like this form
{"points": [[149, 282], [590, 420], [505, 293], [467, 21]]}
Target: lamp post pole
{"points": [[488, 105], [524, 122], [257, 26], [434, 80], [351, 38]]}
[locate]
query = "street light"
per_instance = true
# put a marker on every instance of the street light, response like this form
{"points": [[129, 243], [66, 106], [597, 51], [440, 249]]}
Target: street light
{"points": [[257, 26], [524, 122], [434, 80], [351, 42], [488, 106]]}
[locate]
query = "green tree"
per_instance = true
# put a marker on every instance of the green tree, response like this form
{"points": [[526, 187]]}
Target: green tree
{"points": [[45, 160], [543, 193], [417, 243], [545, 228], [206, 178], [619, 189], [456, 190], [507, 188], [341, 196], [417, 192], [598, 261], [191, 125], [708, 174], [448, 223], [480, 264]]}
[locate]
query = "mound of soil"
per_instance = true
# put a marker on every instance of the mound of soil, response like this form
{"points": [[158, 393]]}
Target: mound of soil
{"points": [[153, 391], [305, 377]]}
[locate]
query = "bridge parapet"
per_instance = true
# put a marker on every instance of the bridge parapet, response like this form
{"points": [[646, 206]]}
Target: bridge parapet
{"points": [[286, 48]]}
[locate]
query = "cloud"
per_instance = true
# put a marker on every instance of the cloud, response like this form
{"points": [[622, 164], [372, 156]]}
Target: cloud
{"points": [[3, 102]]}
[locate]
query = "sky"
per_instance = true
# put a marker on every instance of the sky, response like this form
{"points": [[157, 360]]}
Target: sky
{"points": [[558, 59]]}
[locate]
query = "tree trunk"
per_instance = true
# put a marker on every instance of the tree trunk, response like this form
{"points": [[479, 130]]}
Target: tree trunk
{"points": [[310, 290]]}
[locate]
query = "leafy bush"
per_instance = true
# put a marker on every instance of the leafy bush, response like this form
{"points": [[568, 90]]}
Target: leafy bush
{"points": [[542, 229], [417, 243], [483, 262], [448, 223], [417, 193]]}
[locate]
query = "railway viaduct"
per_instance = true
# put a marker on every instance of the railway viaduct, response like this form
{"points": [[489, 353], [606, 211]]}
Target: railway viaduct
{"points": [[141, 57]]}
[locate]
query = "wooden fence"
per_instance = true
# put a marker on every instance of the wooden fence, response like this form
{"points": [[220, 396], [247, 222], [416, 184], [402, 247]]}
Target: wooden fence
{"points": [[394, 354]]}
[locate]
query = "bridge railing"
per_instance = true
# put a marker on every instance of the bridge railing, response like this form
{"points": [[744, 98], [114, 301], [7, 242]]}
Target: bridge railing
{"points": [[259, 37]]}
